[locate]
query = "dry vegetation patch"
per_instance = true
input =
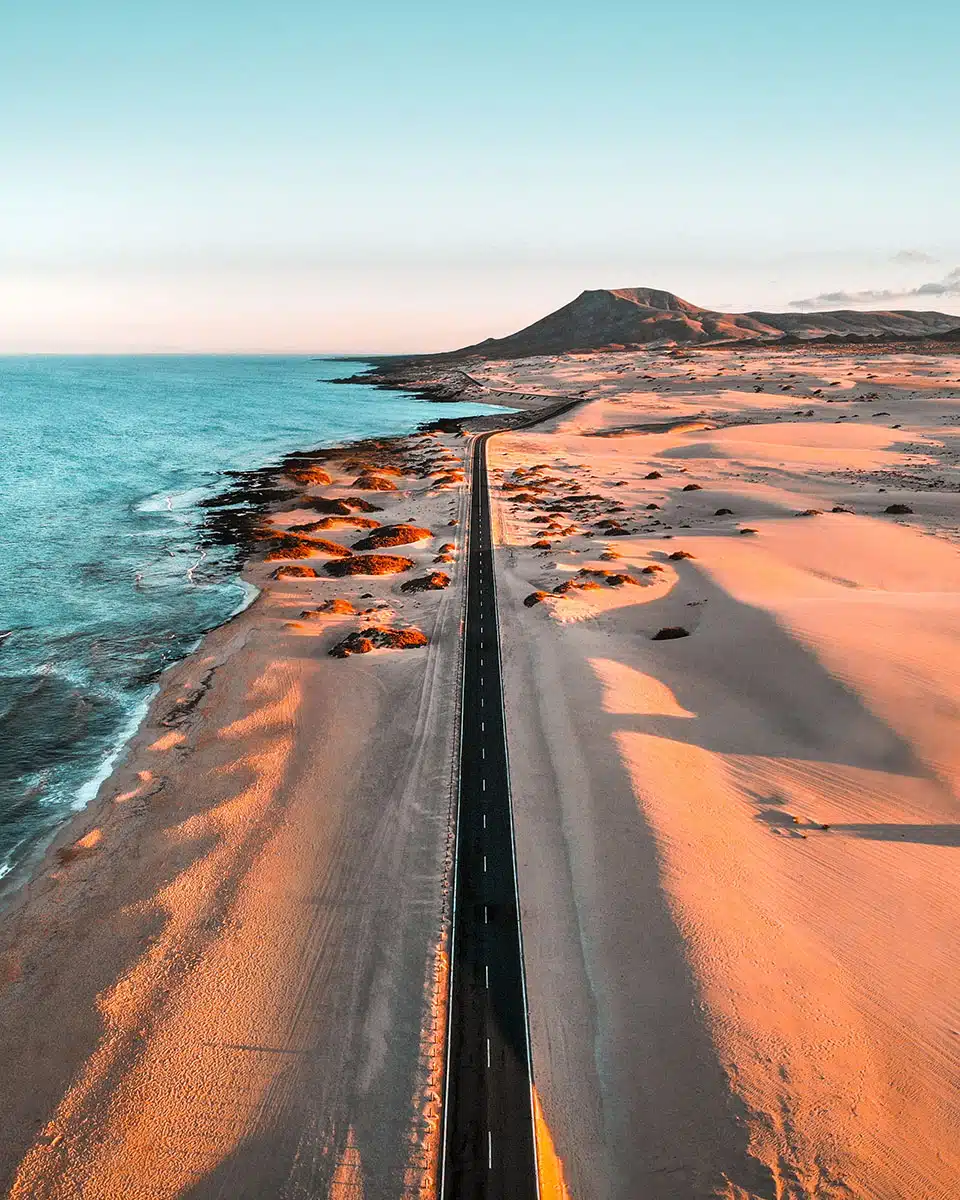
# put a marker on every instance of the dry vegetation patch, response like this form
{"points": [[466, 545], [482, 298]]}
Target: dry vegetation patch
{"points": [[369, 564], [376, 637], [312, 476], [295, 572], [393, 535], [432, 582]]}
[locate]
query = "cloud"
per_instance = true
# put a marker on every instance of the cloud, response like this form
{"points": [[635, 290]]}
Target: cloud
{"points": [[948, 286], [913, 256]]}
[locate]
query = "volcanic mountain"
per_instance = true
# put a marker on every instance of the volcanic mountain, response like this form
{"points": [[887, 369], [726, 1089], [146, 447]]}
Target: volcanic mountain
{"points": [[627, 317]]}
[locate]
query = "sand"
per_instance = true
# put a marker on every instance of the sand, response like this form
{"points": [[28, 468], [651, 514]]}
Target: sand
{"points": [[738, 849], [223, 979]]}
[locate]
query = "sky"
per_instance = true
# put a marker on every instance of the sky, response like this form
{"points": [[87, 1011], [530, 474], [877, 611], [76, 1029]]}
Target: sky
{"points": [[394, 177]]}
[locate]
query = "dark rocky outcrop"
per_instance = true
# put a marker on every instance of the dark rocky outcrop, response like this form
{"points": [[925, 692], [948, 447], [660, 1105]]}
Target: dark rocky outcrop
{"points": [[670, 632]]}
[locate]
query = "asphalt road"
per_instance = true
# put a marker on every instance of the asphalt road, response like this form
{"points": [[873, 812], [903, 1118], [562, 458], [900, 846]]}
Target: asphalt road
{"points": [[488, 1140]]}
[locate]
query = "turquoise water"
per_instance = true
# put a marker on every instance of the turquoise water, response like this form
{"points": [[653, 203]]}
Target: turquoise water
{"points": [[105, 578]]}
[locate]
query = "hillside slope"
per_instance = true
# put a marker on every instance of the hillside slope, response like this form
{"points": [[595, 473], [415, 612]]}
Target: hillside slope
{"points": [[609, 318]]}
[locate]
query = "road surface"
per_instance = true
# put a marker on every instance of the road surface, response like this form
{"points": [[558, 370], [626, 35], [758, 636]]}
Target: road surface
{"points": [[488, 1144]]}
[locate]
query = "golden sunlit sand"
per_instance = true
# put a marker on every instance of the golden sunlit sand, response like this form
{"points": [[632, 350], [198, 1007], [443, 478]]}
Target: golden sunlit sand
{"points": [[738, 849], [728, 587]]}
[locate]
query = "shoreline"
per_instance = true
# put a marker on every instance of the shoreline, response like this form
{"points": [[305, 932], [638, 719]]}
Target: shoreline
{"points": [[231, 512], [232, 979], [140, 900]]}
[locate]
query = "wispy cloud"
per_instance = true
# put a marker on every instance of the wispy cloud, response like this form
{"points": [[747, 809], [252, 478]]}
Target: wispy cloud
{"points": [[948, 286], [913, 256]]}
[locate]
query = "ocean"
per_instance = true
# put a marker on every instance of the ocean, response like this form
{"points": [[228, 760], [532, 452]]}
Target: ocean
{"points": [[105, 578]]}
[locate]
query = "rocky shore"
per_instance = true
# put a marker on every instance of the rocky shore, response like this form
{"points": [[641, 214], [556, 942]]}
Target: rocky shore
{"points": [[226, 976]]}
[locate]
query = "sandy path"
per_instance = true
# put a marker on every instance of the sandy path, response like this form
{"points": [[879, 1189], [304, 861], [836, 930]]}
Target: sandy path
{"points": [[738, 848], [224, 985]]}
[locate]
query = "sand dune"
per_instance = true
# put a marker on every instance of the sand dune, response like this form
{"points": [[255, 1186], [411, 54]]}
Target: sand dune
{"points": [[738, 848]]}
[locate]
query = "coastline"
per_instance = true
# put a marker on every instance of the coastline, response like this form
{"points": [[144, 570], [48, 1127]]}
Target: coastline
{"points": [[206, 846], [230, 976], [231, 513]]}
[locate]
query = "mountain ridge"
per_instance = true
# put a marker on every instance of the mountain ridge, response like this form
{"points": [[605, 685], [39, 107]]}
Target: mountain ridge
{"points": [[627, 318]]}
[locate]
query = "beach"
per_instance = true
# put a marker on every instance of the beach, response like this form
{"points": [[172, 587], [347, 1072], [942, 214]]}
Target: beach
{"points": [[735, 840], [223, 979]]}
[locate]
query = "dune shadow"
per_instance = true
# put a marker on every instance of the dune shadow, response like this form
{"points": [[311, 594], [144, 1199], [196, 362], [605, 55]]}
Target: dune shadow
{"points": [[670, 1126], [742, 685], [741, 662], [920, 835]]}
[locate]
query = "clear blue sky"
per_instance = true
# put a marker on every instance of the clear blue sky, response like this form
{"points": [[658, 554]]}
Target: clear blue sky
{"points": [[331, 176]]}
